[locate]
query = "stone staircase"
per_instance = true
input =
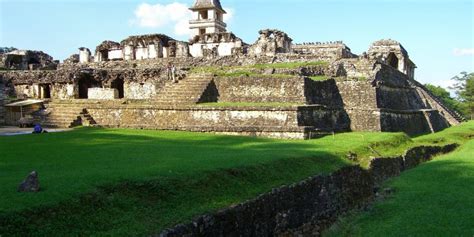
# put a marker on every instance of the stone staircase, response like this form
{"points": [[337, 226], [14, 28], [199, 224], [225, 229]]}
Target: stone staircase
{"points": [[187, 91], [453, 117], [64, 116]]}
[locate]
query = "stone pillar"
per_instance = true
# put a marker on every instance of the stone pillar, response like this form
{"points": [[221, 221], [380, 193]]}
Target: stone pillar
{"points": [[84, 55], [129, 52]]}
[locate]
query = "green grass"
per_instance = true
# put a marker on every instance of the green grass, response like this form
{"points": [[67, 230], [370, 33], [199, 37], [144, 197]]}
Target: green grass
{"points": [[435, 199], [137, 182], [319, 78], [250, 104]]}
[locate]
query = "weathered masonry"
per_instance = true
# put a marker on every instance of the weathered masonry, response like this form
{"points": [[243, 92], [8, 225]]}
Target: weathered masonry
{"points": [[289, 90]]}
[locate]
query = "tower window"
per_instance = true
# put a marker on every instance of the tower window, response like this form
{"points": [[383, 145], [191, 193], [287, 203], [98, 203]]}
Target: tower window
{"points": [[203, 15]]}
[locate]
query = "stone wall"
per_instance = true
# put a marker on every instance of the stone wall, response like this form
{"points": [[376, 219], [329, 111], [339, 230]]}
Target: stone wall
{"points": [[102, 93], [412, 122], [358, 94], [328, 50], [64, 91], [309, 207], [140, 91], [399, 98], [323, 93], [260, 89], [279, 122]]}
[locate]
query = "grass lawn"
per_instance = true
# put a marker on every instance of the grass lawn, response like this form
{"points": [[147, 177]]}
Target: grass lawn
{"points": [[137, 182], [435, 199]]}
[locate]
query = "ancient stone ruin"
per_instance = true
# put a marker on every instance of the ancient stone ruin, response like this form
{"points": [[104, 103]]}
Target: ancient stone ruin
{"points": [[297, 91]]}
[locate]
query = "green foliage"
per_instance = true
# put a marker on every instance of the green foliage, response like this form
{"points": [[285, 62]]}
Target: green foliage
{"points": [[319, 78], [464, 87], [435, 199]]}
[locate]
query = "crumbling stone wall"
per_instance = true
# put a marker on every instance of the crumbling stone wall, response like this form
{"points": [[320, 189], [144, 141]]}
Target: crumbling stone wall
{"points": [[64, 91], [28, 60], [65, 83], [328, 50], [309, 207], [140, 90], [216, 44], [270, 43], [392, 53]]}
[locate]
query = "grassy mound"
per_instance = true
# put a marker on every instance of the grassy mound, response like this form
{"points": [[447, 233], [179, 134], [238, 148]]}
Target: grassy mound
{"points": [[135, 182]]}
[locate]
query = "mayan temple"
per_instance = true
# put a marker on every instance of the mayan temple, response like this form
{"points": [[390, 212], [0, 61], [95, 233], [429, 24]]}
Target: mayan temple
{"points": [[292, 90]]}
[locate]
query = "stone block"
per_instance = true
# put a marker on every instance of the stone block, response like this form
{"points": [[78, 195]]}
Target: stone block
{"points": [[102, 93]]}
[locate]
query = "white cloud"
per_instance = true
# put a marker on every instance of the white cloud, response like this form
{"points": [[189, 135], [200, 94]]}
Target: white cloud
{"points": [[463, 52], [174, 14]]}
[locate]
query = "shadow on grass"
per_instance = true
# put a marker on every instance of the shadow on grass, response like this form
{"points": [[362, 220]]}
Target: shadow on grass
{"points": [[112, 183]]}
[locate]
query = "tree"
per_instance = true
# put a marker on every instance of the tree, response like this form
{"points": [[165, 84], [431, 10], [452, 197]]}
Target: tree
{"points": [[464, 87], [445, 97]]}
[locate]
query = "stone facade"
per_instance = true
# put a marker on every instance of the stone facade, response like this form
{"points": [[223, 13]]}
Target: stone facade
{"points": [[293, 122], [374, 91], [85, 55], [392, 53], [102, 93], [309, 207], [331, 50], [27, 60], [270, 43], [383, 100], [140, 47], [216, 44]]}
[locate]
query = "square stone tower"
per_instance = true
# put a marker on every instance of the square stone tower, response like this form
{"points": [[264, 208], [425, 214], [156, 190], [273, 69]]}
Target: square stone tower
{"points": [[208, 17]]}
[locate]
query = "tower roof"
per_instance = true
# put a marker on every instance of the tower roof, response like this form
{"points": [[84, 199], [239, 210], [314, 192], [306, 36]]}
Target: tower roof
{"points": [[207, 4]]}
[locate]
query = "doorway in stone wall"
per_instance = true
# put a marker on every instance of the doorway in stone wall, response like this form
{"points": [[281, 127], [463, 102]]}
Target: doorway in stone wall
{"points": [[84, 83], [118, 84], [392, 60], [104, 55], [45, 91]]}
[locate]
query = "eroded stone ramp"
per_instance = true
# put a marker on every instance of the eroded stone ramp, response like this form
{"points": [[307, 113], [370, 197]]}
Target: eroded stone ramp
{"points": [[190, 90]]}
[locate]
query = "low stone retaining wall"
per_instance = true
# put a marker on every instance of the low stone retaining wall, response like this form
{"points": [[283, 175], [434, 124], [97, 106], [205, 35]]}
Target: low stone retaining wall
{"points": [[294, 122], [308, 207]]}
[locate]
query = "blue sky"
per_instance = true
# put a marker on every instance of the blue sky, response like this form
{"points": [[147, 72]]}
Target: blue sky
{"points": [[438, 34]]}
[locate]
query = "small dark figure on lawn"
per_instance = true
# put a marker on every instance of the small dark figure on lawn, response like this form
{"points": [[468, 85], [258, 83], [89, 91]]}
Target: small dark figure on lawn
{"points": [[30, 184], [38, 129]]}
